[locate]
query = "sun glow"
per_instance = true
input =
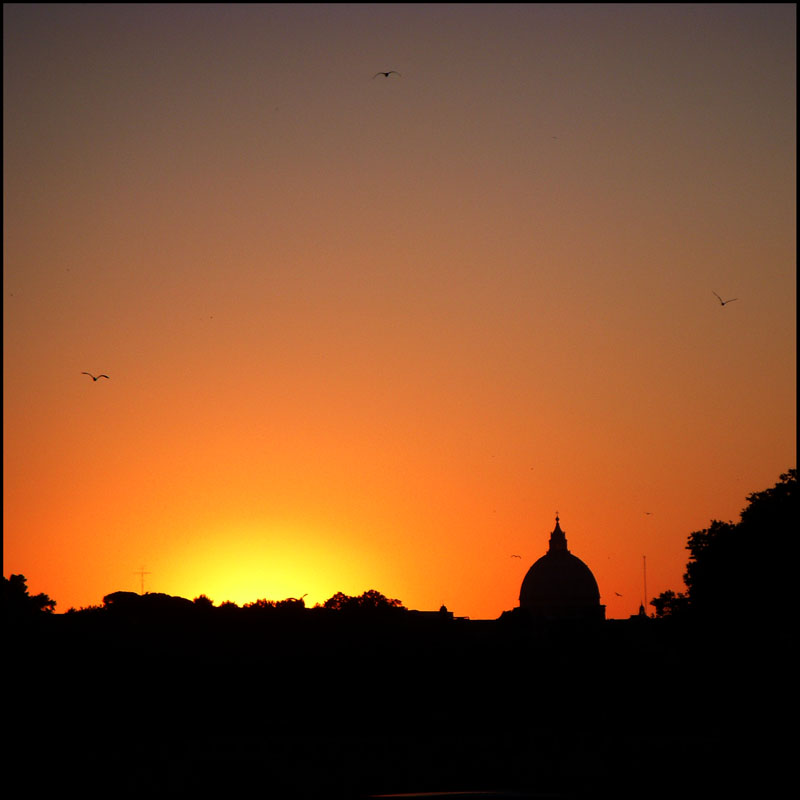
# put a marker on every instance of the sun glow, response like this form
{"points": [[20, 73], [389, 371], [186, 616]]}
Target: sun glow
{"points": [[273, 563]]}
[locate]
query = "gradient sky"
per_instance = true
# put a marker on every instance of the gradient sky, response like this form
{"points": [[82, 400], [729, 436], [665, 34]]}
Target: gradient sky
{"points": [[373, 333]]}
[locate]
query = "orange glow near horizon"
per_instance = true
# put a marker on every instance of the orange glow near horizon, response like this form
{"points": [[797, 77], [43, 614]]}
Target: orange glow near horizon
{"points": [[373, 334]]}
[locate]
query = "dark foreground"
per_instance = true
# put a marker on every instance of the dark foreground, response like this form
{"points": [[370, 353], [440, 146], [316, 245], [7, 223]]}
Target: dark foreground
{"points": [[353, 709]]}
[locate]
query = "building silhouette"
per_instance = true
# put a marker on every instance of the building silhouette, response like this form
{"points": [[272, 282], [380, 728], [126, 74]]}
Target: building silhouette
{"points": [[559, 586]]}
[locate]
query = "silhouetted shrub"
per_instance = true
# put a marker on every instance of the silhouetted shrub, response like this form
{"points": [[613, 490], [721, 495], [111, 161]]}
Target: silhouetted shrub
{"points": [[742, 571], [19, 605], [371, 600]]}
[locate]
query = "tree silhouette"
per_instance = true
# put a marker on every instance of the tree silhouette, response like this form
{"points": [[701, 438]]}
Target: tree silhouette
{"points": [[371, 600], [203, 602], [90, 609], [715, 568], [291, 604], [742, 571], [121, 601], [670, 604], [260, 605], [19, 605]]}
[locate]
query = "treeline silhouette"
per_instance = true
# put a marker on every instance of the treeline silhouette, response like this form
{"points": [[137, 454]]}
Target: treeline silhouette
{"points": [[743, 574], [160, 696]]}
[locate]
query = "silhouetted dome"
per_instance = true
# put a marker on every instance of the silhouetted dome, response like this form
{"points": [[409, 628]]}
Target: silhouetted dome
{"points": [[560, 586]]}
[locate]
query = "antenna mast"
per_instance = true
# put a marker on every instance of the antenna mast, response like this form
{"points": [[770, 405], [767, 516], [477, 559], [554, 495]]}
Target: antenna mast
{"points": [[141, 573], [644, 575]]}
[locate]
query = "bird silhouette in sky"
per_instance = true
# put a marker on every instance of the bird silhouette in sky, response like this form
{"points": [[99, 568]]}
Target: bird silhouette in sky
{"points": [[387, 74], [93, 377], [723, 302], [617, 594], [516, 556]]}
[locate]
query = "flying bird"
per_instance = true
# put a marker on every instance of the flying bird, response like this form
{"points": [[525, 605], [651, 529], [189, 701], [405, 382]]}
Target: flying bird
{"points": [[387, 74], [93, 377], [516, 556], [723, 302], [617, 594]]}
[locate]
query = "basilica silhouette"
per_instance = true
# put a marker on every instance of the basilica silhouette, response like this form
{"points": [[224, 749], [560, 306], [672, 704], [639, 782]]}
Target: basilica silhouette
{"points": [[559, 586]]}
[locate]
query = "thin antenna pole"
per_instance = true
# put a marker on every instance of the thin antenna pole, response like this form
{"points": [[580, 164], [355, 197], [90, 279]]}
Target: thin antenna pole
{"points": [[141, 573], [644, 573]]}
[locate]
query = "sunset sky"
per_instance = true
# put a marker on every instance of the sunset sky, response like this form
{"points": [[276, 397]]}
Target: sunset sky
{"points": [[372, 333]]}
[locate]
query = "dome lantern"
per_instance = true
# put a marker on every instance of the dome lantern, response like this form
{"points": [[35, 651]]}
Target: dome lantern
{"points": [[558, 542]]}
